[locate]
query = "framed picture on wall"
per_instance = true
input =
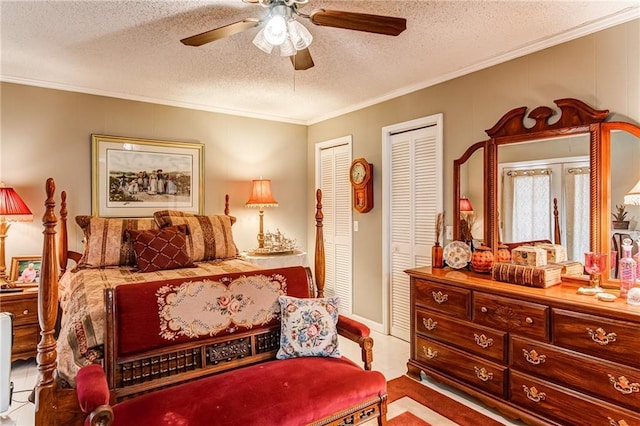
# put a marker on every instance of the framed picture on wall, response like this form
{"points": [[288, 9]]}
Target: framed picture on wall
{"points": [[25, 269], [135, 177]]}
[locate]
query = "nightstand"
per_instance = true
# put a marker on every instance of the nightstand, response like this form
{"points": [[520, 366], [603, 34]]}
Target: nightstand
{"points": [[26, 330], [297, 258]]}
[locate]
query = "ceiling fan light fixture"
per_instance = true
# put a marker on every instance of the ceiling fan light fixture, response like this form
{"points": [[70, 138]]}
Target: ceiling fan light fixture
{"points": [[275, 32], [261, 42], [299, 35], [287, 48]]}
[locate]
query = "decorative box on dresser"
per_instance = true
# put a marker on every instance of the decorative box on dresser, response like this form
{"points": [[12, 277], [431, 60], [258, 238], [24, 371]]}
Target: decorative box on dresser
{"points": [[547, 356], [26, 330]]}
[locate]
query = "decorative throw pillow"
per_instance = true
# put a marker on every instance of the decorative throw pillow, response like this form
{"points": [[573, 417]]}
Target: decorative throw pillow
{"points": [[209, 238], [308, 327], [161, 249], [106, 242]]}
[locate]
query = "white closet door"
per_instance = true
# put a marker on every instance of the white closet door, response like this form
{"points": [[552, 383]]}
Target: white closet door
{"points": [[415, 199], [336, 206]]}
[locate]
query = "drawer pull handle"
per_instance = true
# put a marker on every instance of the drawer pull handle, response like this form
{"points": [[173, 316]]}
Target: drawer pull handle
{"points": [[601, 337], [440, 297], [533, 394], [429, 353], [483, 341], [622, 385], [528, 320], [429, 323], [613, 422], [25, 312], [484, 310], [482, 374], [533, 357]]}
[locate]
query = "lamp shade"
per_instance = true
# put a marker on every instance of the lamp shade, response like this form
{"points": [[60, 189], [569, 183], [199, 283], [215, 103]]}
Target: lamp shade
{"points": [[261, 195], [633, 197], [12, 208], [465, 205]]}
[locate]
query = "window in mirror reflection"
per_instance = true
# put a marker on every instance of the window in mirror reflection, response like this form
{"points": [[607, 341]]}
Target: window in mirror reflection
{"points": [[528, 190]]}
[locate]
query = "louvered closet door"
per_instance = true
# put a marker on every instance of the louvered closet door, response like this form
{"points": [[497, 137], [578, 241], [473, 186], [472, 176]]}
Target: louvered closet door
{"points": [[416, 198], [336, 206]]}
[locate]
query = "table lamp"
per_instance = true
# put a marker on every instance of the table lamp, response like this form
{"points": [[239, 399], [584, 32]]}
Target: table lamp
{"points": [[466, 218], [632, 198], [12, 209], [261, 197]]}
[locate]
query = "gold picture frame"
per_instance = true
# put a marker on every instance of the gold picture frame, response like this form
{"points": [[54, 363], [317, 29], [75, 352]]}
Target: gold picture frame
{"points": [[135, 177], [25, 270]]}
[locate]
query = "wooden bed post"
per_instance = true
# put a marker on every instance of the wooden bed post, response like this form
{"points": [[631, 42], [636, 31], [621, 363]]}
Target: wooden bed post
{"points": [[47, 313], [319, 255], [63, 241]]}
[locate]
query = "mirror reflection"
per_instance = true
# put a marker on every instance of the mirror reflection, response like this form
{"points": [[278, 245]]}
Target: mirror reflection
{"points": [[472, 198], [543, 193], [625, 174]]}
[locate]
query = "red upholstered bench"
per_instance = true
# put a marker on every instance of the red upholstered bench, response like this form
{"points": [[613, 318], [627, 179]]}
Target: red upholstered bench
{"points": [[226, 378]]}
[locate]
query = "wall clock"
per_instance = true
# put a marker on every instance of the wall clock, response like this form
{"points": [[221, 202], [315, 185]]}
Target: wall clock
{"points": [[361, 176]]}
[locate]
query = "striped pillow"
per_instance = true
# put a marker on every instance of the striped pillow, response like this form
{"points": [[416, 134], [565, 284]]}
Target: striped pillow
{"points": [[209, 237], [106, 241]]}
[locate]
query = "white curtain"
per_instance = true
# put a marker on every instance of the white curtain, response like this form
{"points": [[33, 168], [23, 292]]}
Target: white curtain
{"points": [[527, 205], [578, 211]]}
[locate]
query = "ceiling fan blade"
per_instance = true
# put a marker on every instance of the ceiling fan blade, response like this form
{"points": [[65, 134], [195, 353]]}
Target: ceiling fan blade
{"points": [[379, 24], [302, 60], [221, 32]]}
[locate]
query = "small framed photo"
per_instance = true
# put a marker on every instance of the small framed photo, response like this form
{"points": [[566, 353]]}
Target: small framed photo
{"points": [[25, 269]]}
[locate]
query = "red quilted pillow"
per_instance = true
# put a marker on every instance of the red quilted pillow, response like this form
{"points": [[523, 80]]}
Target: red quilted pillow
{"points": [[161, 249]]}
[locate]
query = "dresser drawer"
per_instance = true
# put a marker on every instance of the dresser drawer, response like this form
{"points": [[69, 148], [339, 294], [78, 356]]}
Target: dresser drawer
{"points": [[566, 406], [24, 310], [468, 336], [598, 336], [607, 380], [515, 316], [443, 298], [25, 342], [480, 373]]}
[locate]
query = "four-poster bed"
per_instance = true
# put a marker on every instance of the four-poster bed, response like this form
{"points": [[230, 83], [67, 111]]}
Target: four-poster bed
{"points": [[56, 401]]}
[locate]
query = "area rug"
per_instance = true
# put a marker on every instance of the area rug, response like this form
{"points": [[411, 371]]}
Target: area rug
{"points": [[419, 405]]}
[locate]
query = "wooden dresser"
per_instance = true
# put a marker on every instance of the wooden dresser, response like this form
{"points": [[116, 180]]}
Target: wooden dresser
{"points": [[547, 356], [26, 331]]}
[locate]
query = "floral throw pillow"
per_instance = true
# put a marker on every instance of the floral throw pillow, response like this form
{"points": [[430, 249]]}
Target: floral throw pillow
{"points": [[308, 327]]}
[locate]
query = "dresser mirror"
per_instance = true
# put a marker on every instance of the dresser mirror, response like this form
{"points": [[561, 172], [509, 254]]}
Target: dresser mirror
{"points": [[619, 146], [469, 172], [541, 183], [571, 130]]}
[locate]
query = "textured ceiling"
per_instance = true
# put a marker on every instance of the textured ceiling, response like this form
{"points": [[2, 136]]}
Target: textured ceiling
{"points": [[132, 50]]}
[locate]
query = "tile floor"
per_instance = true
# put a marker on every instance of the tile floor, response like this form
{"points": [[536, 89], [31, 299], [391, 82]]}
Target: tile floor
{"points": [[390, 357]]}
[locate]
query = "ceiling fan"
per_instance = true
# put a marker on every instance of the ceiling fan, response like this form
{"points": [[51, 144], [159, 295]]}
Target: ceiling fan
{"points": [[280, 31]]}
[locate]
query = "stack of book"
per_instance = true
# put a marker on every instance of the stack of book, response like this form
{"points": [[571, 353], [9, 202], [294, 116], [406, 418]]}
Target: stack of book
{"points": [[531, 276]]}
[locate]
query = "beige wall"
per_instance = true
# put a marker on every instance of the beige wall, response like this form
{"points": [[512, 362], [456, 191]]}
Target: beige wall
{"points": [[46, 133], [601, 69]]}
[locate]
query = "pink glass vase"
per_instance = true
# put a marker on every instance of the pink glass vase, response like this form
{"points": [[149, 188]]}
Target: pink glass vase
{"points": [[595, 264]]}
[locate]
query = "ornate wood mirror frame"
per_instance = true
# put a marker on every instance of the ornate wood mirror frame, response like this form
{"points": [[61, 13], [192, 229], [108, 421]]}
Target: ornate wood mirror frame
{"points": [[601, 186], [575, 118]]}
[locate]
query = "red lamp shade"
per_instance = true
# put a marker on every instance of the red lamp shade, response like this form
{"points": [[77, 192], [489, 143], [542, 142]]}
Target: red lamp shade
{"points": [[12, 207], [465, 205], [261, 195]]}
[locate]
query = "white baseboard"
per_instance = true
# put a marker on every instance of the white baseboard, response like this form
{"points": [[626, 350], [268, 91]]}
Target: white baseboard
{"points": [[374, 326]]}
